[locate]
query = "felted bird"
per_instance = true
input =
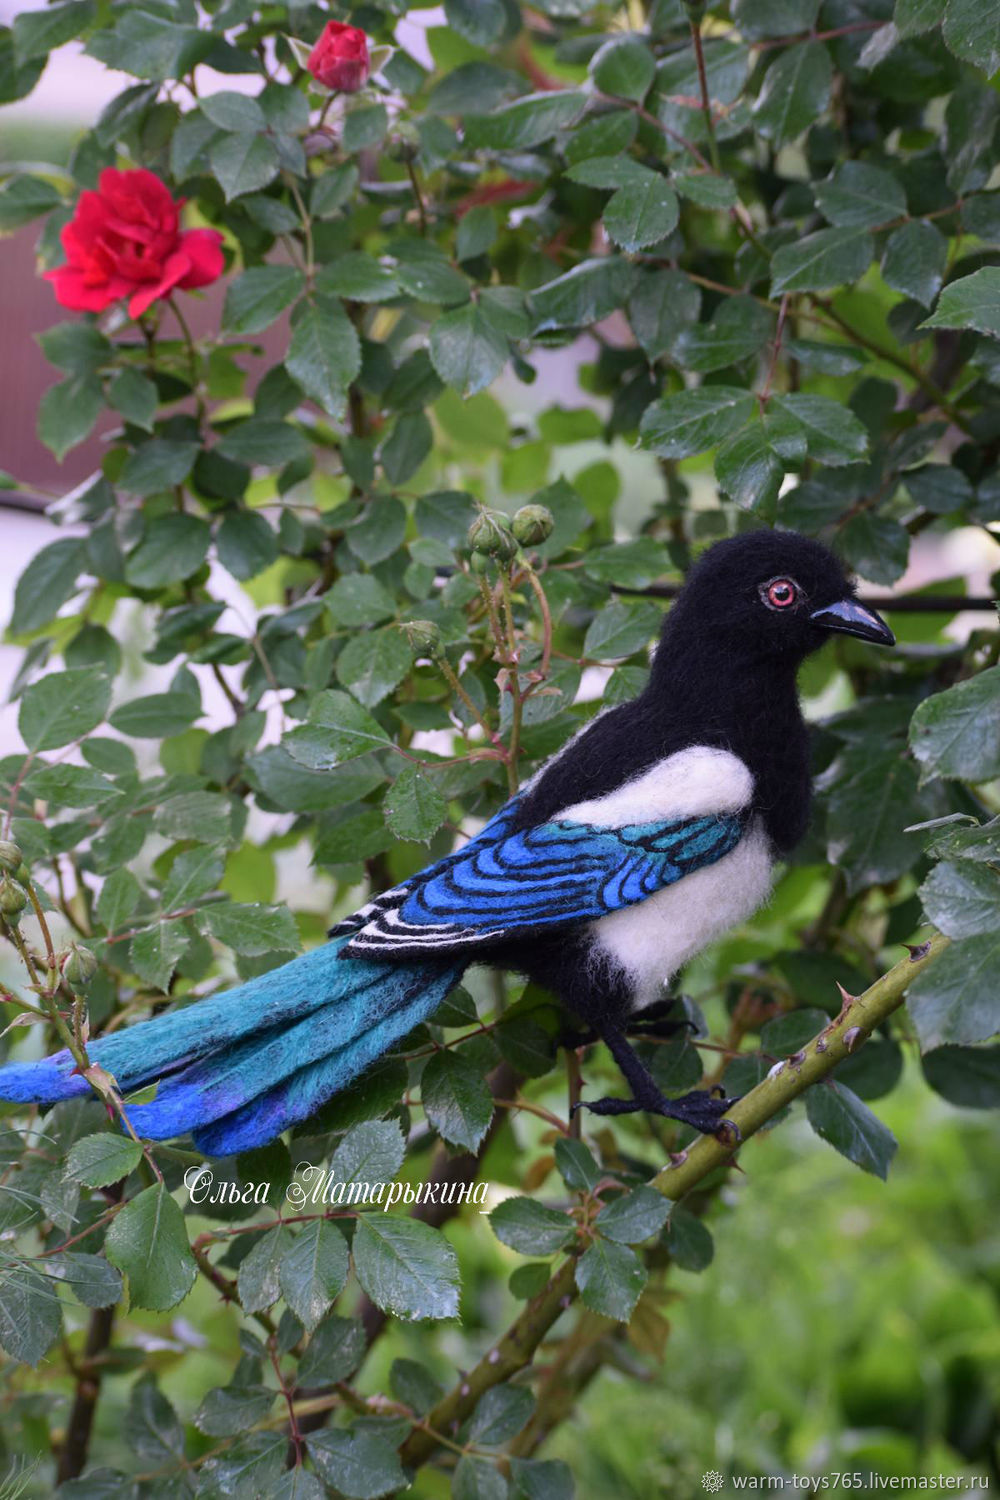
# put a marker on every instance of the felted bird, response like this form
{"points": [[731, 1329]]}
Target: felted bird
{"points": [[651, 833]]}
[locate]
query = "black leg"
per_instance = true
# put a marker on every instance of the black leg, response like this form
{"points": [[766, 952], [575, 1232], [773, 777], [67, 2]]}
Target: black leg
{"points": [[659, 1020], [700, 1109]]}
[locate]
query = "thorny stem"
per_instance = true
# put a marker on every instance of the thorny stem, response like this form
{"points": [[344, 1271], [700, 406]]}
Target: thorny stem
{"points": [[779, 333]]}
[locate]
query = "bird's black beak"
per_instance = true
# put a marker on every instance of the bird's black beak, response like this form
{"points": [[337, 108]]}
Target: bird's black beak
{"points": [[851, 617]]}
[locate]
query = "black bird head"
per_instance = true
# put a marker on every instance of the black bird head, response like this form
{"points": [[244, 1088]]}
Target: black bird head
{"points": [[776, 594]]}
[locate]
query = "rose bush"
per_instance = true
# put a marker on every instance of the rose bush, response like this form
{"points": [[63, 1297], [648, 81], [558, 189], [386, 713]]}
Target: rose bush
{"points": [[601, 286], [124, 241]]}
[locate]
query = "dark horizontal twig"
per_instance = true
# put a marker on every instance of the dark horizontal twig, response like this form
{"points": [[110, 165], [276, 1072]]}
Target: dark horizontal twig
{"points": [[901, 604]]}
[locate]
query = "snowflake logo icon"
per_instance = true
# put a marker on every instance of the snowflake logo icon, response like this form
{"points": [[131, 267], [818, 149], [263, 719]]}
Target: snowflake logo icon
{"points": [[712, 1481]]}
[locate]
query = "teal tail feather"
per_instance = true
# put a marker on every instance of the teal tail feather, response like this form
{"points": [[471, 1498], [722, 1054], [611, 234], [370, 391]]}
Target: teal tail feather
{"points": [[237, 1069]]}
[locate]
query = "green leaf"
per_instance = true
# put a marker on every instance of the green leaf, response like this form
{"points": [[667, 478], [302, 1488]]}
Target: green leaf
{"points": [[155, 952], [795, 91], [203, 816], [913, 17], [748, 469], [270, 444], [255, 299], [414, 808], [940, 488], [193, 873], [39, 32], [586, 294], [876, 546], [62, 707], [767, 18], [738, 330], [966, 1076], [249, 927], [30, 1315], [359, 599], [227, 1410], [358, 1464], [962, 898], [526, 123], [642, 214], [955, 1000], [531, 1228], [971, 302], [313, 1271], [237, 113], [246, 544], [156, 716], [148, 1242], [424, 271], [624, 67], [24, 197], [466, 350], [873, 800], [97, 1160], [500, 1414], [46, 583], [611, 1279], [359, 277], [821, 261], [373, 663], [135, 396], [957, 732], [914, 261], [456, 1099], [407, 1268], [120, 895], [662, 303], [337, 729], [68, 412], [334, 1351], [857, 195], [477, 1479], [619, 630], [407, 446], [150, 46], [479, 21], [840, 1117], [633, 1217], [972, 32], [680, 425], [576, 1165], [90, 1278], [325, 354], [244, 163], [541, 1479], [829, 431], [160, 464], [259, 1277]]}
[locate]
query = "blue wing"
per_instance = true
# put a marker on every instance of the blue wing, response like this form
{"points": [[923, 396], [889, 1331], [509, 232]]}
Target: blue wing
{"points": [[562, 871]]}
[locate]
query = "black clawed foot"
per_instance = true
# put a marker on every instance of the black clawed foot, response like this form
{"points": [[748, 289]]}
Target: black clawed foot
{"points": [[660, 1021], [703, 1110], [609, 1106]]}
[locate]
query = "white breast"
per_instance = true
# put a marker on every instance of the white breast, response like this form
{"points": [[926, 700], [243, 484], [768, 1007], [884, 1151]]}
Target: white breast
{"points": [[652, 939]]}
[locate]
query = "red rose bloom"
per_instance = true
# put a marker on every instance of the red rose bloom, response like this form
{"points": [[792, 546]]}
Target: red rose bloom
{"points": [[339, 59], [125, 240]]}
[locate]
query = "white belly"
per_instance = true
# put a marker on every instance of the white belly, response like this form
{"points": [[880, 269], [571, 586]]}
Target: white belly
{"points": [[652, 939]]}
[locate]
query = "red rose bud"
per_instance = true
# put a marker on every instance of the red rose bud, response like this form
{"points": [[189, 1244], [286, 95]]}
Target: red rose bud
{"points": [[125, 241], [340, 58]]}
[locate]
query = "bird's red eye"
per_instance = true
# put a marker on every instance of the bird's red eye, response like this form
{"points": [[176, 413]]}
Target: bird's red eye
{"points": [[781, 593]]}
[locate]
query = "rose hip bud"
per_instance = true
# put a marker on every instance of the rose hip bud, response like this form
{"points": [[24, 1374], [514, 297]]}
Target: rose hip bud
{"points": [[78, 966], [12, 900], [339, 60], [11, 858], [532, 524], [479, 563], [491, 536], [424, 636]]}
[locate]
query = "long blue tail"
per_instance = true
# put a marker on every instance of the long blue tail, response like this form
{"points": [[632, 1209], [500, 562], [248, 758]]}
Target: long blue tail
{"points": [[237, 1069]]}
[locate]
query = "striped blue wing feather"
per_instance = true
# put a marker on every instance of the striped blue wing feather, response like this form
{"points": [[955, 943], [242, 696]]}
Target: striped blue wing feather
{"points": [[560, 871]]}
